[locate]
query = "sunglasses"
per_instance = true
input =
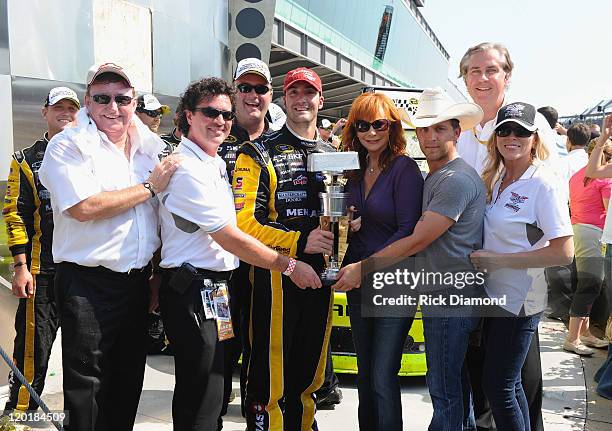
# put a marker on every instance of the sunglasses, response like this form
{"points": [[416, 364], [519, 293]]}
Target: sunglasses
{"points": [[104, 99], [247, 88], [518, 131], [378, 125], [214, 113], [152, 114]]}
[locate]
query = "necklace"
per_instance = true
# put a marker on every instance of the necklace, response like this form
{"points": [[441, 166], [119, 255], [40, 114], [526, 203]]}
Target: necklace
{"points": [[371, 169]]}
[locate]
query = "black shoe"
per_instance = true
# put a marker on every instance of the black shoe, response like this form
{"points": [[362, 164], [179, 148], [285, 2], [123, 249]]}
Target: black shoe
{"points": [[329, 400]]}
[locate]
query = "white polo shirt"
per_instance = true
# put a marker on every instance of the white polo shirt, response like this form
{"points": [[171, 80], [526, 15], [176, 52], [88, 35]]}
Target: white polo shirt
{"points": [[197, 202], [524, 217], [81, 162]]}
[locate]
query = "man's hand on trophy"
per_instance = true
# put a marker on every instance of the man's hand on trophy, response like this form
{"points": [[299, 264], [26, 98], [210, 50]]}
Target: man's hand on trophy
{"points": [[319, 241], [349, 278], [304, 276]]}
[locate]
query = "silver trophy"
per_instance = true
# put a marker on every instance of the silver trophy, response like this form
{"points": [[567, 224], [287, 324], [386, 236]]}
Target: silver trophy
{"points": [[335, 216]]}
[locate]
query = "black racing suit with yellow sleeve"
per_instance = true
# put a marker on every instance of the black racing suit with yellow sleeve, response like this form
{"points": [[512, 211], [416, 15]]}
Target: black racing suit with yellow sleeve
{"points": [[29, 226], [277, 202]]}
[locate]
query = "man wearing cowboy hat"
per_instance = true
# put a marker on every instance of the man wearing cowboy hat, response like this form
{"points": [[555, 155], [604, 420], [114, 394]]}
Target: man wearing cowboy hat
{"points": [[448, 231]]}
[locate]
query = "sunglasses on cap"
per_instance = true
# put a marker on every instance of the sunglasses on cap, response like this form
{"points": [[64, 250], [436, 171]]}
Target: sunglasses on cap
{"points": [[104, 99], [378, 125], [214, 113], [247, 88], [519, 131], [153, 114]]}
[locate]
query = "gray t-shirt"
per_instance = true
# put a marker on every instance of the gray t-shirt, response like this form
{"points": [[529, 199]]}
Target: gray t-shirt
{"points": [[457, 192]]}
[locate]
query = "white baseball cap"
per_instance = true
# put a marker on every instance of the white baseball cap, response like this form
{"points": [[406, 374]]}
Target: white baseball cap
{"points": [[253, 65], [60, 93], [150, 103]]}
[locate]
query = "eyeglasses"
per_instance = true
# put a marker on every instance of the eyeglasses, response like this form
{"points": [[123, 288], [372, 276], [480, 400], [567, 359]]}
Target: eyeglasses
{"points": [[247, 88], [104, 99], [214, 113], [378, 125], [519, 131], [153, 114]]}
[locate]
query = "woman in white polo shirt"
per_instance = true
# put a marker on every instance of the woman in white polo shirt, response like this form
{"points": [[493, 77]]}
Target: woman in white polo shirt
{"points": [[527, 228]]}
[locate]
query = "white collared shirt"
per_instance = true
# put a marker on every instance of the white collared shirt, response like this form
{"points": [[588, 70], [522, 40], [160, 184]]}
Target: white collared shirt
{"points": [[81, 162], [197, 202], [577, 159], [524, 217]]}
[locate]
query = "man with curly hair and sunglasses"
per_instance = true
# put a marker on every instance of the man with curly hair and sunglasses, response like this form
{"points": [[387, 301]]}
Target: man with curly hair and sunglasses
{"points": [[102, 176], [201, 248]]}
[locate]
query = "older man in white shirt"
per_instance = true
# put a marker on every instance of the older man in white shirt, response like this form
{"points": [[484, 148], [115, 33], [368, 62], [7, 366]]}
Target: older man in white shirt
{"points": [[102, 176]]}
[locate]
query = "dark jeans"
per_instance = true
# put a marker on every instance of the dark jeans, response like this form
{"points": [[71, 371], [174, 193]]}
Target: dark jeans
{"points": [[103, 316], [531, 378], [507, 341], [379, 343], [446, 343]]}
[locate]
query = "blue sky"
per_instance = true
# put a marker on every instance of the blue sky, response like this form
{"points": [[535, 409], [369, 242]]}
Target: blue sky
{"points": [[562, 49]]}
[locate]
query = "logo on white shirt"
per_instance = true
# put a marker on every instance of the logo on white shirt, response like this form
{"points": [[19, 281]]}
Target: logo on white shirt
{"points": [[515, 201]]}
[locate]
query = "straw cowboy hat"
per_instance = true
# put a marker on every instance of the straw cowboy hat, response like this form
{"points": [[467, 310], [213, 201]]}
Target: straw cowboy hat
{"points": [[435, 106]]}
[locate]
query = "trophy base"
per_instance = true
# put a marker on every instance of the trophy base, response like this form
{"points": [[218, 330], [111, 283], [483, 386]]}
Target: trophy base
{"points": [[329, 276]]}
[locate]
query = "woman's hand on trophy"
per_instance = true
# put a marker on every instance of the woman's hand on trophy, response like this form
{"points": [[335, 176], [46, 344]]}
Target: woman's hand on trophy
{"points": [[319, 241], [355, 223], [304, 276], [349, 278]]}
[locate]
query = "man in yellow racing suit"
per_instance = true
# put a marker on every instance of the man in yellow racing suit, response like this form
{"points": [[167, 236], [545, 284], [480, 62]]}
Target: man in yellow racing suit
{"points": [[277, 202]]}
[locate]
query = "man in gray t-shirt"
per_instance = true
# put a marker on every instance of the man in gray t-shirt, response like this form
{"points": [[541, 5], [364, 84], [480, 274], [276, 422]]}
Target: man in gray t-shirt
{"points": [[448, 231], [455, 191]]}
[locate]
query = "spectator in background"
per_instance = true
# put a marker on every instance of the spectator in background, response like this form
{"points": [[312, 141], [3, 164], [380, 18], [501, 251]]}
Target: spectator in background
{"points": [[150, 111], [552, 116], [578, 136], [595, 130], [174, 138], [588, 204]]}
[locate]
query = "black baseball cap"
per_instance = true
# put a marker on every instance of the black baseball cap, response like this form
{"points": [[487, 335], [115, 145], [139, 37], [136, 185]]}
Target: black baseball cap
{"points": [[518, 112]]}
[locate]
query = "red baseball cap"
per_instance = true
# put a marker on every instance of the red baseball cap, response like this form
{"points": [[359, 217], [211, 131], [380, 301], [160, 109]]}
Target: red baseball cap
{"points": [[303, 74]]}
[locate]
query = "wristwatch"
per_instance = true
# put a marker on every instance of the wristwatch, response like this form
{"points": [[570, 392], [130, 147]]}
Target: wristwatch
{"points": [[147, 185]]}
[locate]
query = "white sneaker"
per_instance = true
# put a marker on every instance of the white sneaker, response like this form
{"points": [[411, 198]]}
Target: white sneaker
{"points": [[592, 341], [577, 348]]}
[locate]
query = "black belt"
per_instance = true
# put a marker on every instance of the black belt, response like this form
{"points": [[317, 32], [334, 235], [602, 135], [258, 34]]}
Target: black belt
{"points": [[104, 270], [204, 273]]}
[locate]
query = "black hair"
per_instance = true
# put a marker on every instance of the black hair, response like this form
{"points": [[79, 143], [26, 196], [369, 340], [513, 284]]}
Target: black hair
{"points": [[205, 88], [551, 115]]}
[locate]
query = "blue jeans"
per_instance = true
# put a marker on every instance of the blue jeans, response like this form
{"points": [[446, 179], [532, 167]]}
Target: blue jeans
{"points": [[446, 342], [379, 342], [507, 341]]}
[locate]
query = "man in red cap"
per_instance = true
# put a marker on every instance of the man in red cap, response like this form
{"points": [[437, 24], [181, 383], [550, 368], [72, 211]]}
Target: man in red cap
{"points": [[277, 202]]}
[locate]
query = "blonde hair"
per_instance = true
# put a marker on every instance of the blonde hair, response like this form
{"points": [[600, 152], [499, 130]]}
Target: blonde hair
{"points": [[508, 65], [495, 162]]}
